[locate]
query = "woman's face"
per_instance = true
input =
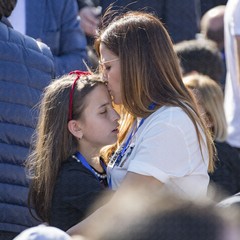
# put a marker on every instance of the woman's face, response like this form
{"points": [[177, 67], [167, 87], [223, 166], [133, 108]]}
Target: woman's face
{"points": [[111, 71]]}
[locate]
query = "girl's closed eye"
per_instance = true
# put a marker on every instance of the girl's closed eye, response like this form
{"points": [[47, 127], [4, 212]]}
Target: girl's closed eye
{"points": [[103, 111]]}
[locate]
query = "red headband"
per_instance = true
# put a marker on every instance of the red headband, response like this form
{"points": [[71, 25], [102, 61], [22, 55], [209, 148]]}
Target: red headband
{"points": [[79, 74]]}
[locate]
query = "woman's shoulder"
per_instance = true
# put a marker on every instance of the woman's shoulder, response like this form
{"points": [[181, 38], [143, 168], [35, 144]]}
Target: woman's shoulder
{"points": [[170, 115], [167, 120]]}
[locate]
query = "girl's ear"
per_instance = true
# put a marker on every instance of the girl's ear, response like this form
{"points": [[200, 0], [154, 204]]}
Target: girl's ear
{"points": [[75, 129]]}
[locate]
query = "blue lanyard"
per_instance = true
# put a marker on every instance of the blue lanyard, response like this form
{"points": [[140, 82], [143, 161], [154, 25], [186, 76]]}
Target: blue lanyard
{"points": [[84, 162], [127, 143]]}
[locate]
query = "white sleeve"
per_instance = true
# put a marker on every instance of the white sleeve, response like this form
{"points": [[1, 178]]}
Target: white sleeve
{"points": [[235, 25], [163, 151]]}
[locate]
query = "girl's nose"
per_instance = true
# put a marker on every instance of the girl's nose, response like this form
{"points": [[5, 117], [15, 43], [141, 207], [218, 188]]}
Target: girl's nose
{"points": [[116, 116]]}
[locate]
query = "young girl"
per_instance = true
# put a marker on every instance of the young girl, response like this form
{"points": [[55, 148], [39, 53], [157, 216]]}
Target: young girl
{"points": [[76, 120], [168, 145]]}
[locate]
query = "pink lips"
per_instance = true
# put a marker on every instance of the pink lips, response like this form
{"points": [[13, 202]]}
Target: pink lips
{"points": [[116, 130]]}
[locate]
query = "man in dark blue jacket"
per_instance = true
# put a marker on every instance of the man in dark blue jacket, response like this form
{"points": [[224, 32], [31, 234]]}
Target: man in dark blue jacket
{"points": [[55, 23], [26, 67]]}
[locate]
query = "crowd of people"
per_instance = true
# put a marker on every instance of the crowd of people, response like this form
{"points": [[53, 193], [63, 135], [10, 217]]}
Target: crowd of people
{"points": [[118, 121]]}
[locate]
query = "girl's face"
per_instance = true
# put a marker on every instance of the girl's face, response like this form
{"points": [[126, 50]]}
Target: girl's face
{"points": [[111, 71], [99, 122]]}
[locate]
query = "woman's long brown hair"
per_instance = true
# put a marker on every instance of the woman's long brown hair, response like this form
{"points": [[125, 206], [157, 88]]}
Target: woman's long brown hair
{"points": [[150, 70]]}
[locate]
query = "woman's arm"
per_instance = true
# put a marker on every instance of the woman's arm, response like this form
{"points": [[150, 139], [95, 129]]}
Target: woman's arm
{"points": [[132, 182]]}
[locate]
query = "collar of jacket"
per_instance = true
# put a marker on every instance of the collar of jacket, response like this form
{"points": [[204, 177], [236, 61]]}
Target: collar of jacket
{"points": [[6, 22]]}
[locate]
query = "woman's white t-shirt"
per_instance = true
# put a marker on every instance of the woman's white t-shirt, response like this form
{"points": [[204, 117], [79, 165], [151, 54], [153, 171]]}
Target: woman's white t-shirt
{"points": [[166, 147]]}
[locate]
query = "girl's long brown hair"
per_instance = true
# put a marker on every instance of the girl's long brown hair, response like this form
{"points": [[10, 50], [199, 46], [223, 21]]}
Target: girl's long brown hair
{"points": [[53, 143], [150, 70]]}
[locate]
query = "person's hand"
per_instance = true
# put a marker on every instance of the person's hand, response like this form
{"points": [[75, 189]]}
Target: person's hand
{"points": [[89, 20]]}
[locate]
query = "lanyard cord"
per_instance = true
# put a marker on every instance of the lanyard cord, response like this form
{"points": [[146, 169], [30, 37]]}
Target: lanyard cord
{"points": [[82, 159], [127, 143]]}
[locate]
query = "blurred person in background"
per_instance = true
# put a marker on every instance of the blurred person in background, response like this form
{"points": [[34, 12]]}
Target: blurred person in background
{"points": [[209, 96], [181, 18], [232, 86], [212, 28], [55, 23], [201, 56], [26, 67], [90, 14]]}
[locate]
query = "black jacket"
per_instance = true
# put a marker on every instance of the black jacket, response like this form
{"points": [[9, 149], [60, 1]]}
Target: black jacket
{"points": [[227, 173], [76, 190]]}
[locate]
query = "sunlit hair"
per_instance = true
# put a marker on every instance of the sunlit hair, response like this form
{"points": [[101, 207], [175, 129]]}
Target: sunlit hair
{"points": [[149, 69], [53, 141], [210, 97]]}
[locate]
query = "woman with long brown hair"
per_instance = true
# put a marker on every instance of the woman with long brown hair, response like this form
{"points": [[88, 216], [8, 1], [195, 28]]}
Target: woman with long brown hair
{"points": [[166, 143]]}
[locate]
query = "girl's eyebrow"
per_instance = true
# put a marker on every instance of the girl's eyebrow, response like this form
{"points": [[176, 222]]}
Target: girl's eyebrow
{"points": [[108, 61]]}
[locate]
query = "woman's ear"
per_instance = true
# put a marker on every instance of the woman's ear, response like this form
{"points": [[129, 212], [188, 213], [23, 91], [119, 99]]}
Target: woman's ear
{"points": [[74, 127]]}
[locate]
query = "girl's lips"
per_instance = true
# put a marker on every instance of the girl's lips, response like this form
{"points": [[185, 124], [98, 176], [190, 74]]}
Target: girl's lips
{"points": [[116, 130]]}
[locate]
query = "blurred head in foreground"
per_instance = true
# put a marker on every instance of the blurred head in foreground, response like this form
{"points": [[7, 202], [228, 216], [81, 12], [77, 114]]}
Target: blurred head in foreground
{"points": [[141, 215]]}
